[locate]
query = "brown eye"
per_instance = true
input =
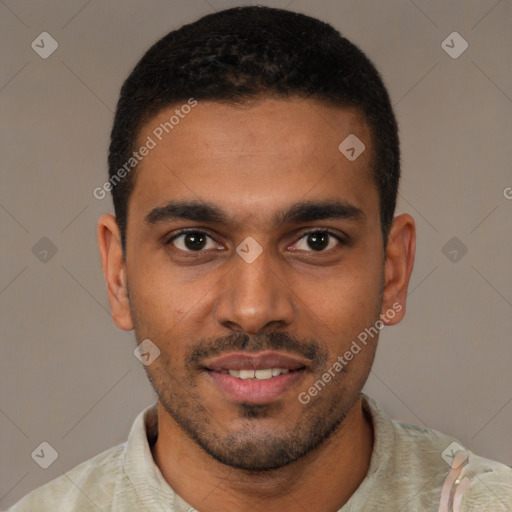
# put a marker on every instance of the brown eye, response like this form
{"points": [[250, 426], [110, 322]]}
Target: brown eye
{"points": [[317, 241], [192, 241]]}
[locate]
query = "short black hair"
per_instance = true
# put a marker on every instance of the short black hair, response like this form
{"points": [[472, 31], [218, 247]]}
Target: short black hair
{"points": [[249, 53]]}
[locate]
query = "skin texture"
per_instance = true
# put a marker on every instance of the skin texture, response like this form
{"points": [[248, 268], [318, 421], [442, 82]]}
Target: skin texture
{"points": [[252, 162]]}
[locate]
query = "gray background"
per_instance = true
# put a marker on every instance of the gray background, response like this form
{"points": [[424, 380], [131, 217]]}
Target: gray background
{"points": [[69, 377]]}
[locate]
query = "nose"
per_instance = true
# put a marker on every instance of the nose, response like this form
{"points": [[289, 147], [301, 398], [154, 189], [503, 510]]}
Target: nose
{"points": [[254, 296]]}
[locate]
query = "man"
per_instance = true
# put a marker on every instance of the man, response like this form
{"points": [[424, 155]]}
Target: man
{"points": [[254, 167]]}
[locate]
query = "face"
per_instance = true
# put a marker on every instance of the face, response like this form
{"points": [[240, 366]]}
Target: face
{"points": [[254, 259]]}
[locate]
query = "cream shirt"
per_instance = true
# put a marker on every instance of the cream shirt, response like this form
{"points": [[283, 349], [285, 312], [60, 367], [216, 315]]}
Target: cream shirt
{"points": [[407, 473]]}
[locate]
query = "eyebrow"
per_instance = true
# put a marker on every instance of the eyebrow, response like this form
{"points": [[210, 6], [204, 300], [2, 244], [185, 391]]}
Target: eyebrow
{"points": [[306, 211]]}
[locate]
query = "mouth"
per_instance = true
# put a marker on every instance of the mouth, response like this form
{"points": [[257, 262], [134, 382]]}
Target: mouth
{"points": [[256, 378]]}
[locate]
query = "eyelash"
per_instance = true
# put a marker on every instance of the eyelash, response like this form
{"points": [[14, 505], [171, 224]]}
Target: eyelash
{"points": [[329, 232]]}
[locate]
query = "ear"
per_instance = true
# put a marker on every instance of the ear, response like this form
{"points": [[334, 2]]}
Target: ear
{"points": [[400, 251], [114, 270]]}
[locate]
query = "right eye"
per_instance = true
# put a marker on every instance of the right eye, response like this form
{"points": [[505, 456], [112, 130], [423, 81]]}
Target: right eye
{"points": [[192, 241]]}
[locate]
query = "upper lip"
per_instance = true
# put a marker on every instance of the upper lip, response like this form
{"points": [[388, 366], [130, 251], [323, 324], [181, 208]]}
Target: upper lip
{"points": [[255, 361]]}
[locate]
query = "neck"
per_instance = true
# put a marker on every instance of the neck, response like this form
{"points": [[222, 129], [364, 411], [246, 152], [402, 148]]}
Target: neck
{"points": [[322, 480]]}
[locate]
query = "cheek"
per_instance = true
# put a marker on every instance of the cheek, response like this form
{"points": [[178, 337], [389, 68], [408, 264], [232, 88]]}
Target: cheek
{"points": [[350, 299], [154, 302], [166, 309]]}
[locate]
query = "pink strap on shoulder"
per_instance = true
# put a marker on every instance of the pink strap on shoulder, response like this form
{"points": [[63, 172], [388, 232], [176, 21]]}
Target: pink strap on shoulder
{"points": [[453, 488]]}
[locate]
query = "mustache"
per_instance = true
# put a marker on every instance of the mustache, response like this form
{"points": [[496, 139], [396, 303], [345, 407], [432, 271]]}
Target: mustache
{"points": [[310, 349]]}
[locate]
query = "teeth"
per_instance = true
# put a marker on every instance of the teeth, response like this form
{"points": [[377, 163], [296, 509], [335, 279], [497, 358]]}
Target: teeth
{"points": [[264, 374], [246, 374]]}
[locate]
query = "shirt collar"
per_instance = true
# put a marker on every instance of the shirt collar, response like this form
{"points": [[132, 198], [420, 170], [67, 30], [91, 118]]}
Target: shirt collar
{"points": [[140, 485]]}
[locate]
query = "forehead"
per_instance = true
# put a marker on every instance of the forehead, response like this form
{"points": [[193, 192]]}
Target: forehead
{"points": [[253, 159]]}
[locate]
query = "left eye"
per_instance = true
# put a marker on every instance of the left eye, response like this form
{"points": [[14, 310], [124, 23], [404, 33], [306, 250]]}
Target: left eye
{"points": [[318, 241]]}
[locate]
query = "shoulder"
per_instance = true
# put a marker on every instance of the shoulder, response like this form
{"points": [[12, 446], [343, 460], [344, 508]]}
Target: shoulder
{"points": [[424, 469], [87, 487], [470, 483]]}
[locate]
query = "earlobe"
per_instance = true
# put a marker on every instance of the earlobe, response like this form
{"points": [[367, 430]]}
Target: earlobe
{"points": [[114, 270], [400, 251]]}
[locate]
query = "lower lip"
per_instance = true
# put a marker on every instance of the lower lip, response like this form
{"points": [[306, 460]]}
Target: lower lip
{"points": [[256, 391]]}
